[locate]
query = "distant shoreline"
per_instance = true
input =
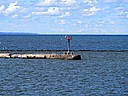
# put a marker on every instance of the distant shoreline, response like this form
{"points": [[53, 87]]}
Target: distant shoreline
{"points": [[36, 34]]}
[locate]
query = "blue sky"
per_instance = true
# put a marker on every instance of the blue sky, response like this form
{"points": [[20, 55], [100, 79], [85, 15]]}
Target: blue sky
{"points": [[64, 16]]}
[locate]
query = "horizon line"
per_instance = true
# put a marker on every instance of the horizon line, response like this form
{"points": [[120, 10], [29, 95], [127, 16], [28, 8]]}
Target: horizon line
{"points": [[28, 33]]}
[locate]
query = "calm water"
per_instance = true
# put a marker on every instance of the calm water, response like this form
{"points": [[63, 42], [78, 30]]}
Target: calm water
{"points": [[97, 74]]}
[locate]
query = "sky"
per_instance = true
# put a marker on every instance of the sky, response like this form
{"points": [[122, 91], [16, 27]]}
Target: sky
{"points": [[64, 16]]}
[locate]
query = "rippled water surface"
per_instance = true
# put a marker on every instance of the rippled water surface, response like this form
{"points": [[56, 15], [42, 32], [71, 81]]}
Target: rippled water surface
{"points": [[97, 74], [59, 43]]}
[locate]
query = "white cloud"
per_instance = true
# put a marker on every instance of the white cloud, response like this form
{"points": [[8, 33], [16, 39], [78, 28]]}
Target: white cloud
{"points": [[109, 1], [87, 1], [46, 2], [53, 10], [27, 16], [2, 8], [79, 22], [40, 8], [11, 8], [62, 22], [68, 2], [15, 16], [123, 14], [90, 1], [36, 13], [56, 2], [50, 11], [66, 14], [91, 11], [120, 8]]}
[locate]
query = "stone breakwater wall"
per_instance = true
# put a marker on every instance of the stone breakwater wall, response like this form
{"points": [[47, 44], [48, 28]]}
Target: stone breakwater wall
{"points": [[42, 56]]}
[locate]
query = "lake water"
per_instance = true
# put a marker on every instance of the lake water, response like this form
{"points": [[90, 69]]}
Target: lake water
{"points": [[103, 70]]}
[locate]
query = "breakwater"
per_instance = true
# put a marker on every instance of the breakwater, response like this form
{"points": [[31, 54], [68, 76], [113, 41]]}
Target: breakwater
{"points": [[41, 56]]}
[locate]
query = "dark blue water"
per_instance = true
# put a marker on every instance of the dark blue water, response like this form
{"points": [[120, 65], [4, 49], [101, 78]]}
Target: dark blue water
{"points": [[99, 73], [59, 43]]}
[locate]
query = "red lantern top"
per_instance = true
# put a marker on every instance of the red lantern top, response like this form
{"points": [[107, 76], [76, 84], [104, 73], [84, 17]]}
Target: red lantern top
{"points": [[68, 37]]}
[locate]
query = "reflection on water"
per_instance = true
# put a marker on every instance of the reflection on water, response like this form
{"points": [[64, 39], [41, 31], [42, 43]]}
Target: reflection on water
{"points": [[98, 73]]}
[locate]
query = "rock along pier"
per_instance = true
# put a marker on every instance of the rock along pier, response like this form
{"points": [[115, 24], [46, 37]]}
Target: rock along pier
{"points": [[41, 56]]}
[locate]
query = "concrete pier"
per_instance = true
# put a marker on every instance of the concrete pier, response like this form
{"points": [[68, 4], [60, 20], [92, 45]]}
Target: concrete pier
{"points": [[42, 56]]}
